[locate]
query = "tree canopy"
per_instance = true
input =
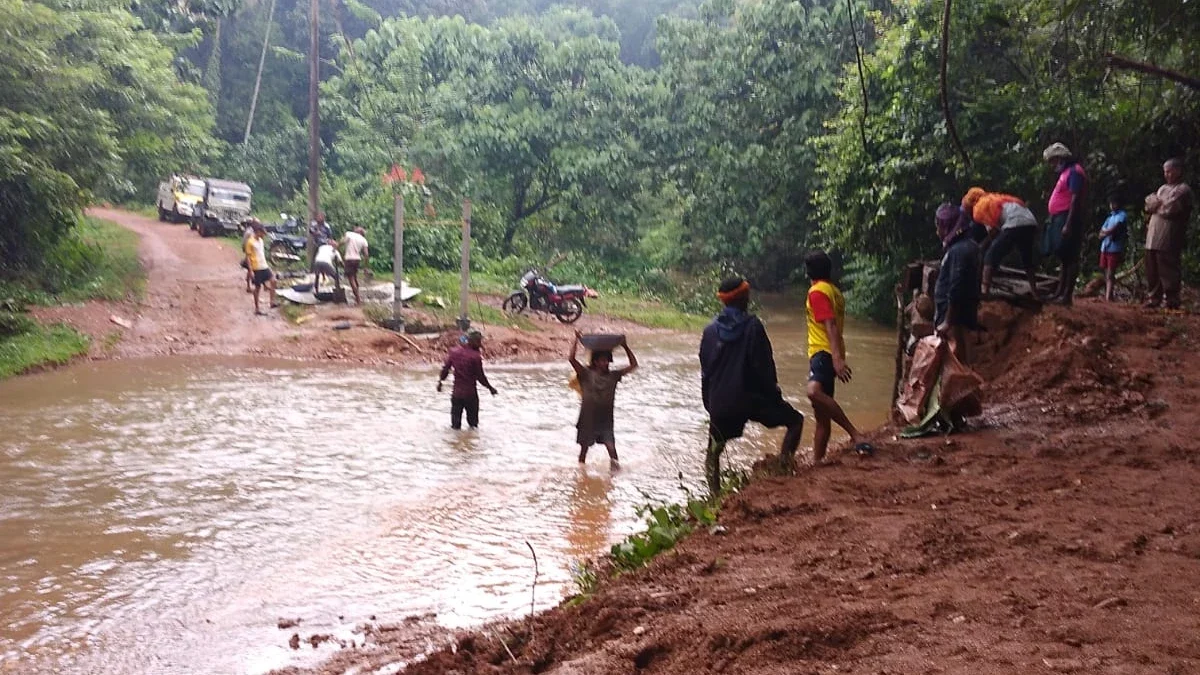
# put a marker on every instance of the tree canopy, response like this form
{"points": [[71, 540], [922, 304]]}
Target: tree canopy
{"points": [[91, 106], [651, 138]]}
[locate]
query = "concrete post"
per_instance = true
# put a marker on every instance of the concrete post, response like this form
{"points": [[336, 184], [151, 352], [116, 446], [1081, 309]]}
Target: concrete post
{"points": [[398, 264], [464, 321]]}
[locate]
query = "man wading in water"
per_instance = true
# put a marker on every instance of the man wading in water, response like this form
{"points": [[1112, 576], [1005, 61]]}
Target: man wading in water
{"points": [[598, 389], [738, 381], [467, 363]]}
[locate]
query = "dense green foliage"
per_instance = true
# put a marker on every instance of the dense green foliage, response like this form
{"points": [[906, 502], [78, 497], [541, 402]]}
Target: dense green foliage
{"points": [[1022, 75], [743, 90], [644, 142], [91, 105]]}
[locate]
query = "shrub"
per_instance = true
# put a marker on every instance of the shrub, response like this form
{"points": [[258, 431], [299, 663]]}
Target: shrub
{"points": [[12, 323]]}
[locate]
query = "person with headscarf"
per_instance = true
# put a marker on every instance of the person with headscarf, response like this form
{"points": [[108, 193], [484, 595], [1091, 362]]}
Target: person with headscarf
{"points": [[1064, 233], [1010, 225], [977, 230], [956, 293], [738, 381], [467, 363]]}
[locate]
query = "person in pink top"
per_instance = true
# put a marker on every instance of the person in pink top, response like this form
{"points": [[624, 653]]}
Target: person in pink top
{"points": [[1064, 234]]}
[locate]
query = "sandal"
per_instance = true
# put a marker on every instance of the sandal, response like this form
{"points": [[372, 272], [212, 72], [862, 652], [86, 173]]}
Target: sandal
{"points": [[864, 449]]}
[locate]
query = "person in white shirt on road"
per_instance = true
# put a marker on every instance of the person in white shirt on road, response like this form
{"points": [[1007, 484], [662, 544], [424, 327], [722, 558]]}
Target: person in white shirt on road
{"points": [[325, 264], [356, 255]]}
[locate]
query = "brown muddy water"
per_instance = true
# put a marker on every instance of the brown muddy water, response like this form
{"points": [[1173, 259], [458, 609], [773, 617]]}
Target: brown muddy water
{"points": [[159, 516]]}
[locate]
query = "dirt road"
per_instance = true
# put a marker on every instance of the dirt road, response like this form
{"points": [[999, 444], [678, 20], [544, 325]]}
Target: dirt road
{"points": [[1061, 535], [196, 303]]}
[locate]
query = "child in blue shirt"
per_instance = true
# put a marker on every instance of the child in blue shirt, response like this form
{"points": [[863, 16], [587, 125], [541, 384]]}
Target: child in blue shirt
{"points": [[1113, 234]]}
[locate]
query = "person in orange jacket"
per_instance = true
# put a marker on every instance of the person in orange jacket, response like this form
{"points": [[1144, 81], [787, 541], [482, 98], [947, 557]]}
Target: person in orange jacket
{"points": [[1011, 225]]}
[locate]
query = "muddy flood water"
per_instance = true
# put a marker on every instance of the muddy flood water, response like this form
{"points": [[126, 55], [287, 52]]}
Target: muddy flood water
{"points": [[159, 516]]}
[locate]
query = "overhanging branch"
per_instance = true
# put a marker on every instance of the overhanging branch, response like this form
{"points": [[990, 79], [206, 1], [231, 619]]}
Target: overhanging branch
{"points": [[1116, 61]]}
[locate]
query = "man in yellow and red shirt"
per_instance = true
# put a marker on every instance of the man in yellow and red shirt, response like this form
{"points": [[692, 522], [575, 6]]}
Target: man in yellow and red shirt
{"points": [[827, 354]]}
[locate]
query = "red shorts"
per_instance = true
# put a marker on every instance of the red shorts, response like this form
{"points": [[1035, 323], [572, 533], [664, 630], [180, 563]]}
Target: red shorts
{"points": [[1111, 261]]}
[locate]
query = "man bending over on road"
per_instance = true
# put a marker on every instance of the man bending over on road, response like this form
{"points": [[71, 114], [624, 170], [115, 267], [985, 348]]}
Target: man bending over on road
{"points": [[827, 355], [738, 381], [467, 363], [257, 259], [324, 265], [356, 254]]}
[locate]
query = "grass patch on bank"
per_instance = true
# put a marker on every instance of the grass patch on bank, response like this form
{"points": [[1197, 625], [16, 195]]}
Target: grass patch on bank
{"points": [[111, 269], [38, 346], [666, 524], [646, 312], [98, 260], [440, 297], [435, 284]]}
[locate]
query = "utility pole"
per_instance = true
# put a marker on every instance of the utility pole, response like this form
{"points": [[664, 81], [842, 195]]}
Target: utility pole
{"points": [[314, 122], [398, 266], [262, 60], [464, 321]]}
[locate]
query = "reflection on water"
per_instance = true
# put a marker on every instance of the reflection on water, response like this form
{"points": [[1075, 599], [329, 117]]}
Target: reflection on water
{"points": [[160, 515]]}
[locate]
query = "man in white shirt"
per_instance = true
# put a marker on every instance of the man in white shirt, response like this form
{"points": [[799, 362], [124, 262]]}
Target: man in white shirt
{"points": [[324, 264], [356, 255]]}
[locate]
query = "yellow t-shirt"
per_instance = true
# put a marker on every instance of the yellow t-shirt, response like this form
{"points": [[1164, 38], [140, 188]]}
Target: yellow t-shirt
{"points": [[824, 302], [255, 255]]}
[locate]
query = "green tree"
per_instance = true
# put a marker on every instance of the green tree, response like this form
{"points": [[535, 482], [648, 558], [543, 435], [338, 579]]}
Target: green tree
{"points": [[743, 89], [541, 129], [90, 106], [1021, 75]]}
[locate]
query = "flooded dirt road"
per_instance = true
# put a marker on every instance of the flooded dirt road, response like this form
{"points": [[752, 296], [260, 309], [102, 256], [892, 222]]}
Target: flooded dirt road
{"points": [[160, 515]]}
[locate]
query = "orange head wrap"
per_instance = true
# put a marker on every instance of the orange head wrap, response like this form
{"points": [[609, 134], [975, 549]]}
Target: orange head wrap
{"points": [[742, 290], [972, 197]]}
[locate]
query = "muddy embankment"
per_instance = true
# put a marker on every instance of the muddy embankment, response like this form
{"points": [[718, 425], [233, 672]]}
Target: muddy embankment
{"points": [[196, 303], [1061, 535]]}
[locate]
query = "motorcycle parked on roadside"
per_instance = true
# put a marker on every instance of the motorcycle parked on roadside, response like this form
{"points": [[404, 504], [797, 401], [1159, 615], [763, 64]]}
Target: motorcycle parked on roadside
{"points": [[289, 244], [539, 294]]}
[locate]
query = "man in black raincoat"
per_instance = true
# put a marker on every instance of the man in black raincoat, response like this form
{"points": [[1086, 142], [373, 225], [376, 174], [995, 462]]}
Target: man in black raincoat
{"points": [[738, 381]]}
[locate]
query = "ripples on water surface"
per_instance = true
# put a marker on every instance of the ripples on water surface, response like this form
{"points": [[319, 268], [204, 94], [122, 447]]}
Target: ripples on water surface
{"points": [[160, 515]]}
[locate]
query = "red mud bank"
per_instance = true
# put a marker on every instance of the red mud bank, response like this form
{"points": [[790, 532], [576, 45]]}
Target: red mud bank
{"points": [[1061, 535]]}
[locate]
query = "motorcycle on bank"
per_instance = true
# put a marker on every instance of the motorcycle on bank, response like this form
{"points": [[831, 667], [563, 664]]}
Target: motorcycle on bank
{"points": [[539, 294]]}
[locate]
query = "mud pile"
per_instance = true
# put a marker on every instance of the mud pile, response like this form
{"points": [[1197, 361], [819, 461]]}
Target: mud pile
{"points": [[1068, 362]]}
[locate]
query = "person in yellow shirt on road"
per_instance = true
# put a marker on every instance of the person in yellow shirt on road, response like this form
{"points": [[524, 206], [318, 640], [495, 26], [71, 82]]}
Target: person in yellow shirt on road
{"points": [[256, 257], [827, 355]]}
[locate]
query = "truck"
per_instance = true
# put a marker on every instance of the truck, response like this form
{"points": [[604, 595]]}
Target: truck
{"points": [[178, 197], [225, 206]]}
